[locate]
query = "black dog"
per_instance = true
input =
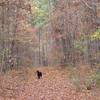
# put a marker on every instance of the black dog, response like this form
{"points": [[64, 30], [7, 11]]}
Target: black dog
{"points": [[39, 74]]}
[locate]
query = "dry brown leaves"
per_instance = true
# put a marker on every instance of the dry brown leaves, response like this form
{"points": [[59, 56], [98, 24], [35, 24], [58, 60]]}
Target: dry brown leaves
{"points": [[55, 85]]}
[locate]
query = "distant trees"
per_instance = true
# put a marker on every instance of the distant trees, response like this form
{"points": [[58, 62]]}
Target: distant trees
{"points": [[16, 34], [49, 32], [73, 23]]}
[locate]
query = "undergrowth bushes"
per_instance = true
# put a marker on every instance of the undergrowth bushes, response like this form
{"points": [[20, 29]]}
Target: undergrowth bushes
{"points": [[87, 81]]}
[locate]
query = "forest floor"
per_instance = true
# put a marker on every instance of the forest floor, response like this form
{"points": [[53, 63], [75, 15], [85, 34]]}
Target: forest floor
{"points": [[56, 84]]}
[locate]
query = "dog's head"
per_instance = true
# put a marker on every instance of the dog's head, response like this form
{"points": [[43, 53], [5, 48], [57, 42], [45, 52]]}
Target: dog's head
{"points": [[37, 71]]}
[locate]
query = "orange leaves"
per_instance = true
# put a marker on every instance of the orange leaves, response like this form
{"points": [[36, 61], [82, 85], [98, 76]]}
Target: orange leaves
{"points": [[20, 16], [23, 5], [32, 30], [55, 85], [28, 7], [55, 36], [27, 29]]}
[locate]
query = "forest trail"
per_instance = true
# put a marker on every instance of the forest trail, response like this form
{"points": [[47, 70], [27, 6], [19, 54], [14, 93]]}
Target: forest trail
{"points": [[55, 85]]}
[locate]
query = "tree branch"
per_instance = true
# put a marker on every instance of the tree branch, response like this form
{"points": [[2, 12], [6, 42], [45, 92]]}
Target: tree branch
{"points": [[87, 4]]}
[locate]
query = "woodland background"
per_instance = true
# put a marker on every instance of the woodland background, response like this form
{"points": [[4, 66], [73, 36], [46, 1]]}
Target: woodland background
{"points": [[49, 32], [60, 38]]}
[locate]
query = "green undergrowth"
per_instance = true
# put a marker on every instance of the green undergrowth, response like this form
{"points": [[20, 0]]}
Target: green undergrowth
{"points": [[88, 81]]}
